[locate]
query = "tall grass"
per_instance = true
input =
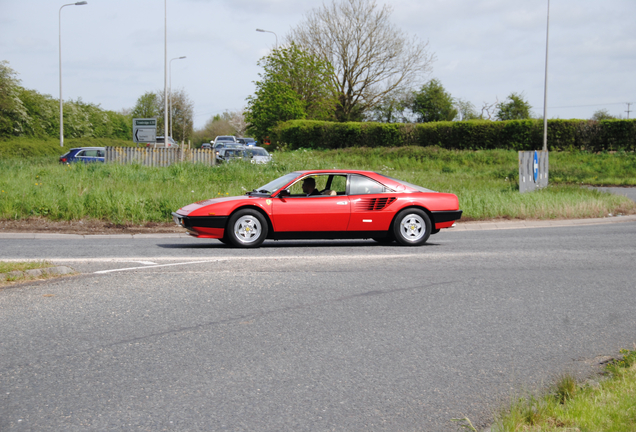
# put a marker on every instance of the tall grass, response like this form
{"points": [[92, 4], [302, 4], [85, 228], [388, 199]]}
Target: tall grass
{"points": [[485, 182], [573, 406]]}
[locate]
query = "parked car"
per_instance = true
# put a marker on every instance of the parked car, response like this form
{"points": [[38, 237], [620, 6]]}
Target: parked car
{"points": [[84, 154], [160, 143], [221, 145], [345, 204], [206, 146], [247, 141], [258, 154], [225, 139], [235, 152]]}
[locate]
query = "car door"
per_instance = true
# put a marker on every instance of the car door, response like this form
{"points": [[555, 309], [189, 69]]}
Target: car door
{"points": [[370, 204], [320, 213]]}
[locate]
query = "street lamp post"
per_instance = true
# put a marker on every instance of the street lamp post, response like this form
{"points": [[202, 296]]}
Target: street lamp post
{"points": [[165, 73], [545, 85], [170, 89], [60, 45], [267, 31]]}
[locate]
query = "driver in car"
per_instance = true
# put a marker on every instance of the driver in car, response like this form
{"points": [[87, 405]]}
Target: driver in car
{"points": [[309, 186]]}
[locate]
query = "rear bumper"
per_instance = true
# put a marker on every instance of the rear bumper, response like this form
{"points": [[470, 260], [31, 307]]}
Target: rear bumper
{"points": [[446, 216]]}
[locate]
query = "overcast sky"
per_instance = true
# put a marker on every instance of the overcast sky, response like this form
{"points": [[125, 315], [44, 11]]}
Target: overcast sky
{"points": [[113, 50]]}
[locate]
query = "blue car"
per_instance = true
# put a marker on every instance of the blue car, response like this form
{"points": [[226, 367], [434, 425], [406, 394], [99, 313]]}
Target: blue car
{"points": [[84, 154]]}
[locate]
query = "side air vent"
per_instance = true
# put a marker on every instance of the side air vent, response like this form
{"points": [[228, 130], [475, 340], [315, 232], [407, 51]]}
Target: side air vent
{"points": [[374, 204]]}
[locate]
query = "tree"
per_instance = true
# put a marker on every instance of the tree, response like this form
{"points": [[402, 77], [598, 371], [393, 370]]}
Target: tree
{"points": [[13, 115], [432, 103], [602, 114], [514, 108], [147, 106], [151, 105], [294, 85], [370, 57], [466, 110]]}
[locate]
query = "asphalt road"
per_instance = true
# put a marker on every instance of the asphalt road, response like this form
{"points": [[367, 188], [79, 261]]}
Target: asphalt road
{"points": [[307, 336]]}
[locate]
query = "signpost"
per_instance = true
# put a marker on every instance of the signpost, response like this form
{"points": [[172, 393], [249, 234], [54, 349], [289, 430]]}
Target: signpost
{"points": [[533, 170], [144, 130]]}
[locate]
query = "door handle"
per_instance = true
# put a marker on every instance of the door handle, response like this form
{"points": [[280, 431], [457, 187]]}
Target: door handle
{"points": [[342, 203]]}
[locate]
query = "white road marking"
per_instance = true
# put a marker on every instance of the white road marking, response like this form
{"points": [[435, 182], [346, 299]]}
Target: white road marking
{"points": [[145, 262], [146, 267]]}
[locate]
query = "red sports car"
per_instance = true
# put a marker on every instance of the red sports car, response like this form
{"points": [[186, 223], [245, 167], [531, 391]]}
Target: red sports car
{"points": [[324, 204]]}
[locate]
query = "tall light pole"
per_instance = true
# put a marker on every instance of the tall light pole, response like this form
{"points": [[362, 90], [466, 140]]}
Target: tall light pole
{"points": [[170, 90], [60, 43], [165, 72], [267, 31], [545, 88]]}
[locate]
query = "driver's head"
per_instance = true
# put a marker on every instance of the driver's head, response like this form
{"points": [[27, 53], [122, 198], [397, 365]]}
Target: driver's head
{"points": [[309, 184]]}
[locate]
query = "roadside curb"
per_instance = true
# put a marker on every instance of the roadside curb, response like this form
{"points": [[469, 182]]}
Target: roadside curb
{"points": [[482, 226], [59, 270], [461, 226]]}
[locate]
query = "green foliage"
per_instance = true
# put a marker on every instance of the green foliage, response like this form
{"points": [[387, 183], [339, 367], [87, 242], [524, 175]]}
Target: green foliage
{"points": [[13, 114], [574, 406], [485, 182], [27, 113], [148, 105], [602, 114], [28, 147], [294, 85], [515, 108], [432, 103], [607, 135]]}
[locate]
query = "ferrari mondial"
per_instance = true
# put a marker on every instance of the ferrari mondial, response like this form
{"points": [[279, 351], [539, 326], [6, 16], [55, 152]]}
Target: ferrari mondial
{"points": [[324, 204]]}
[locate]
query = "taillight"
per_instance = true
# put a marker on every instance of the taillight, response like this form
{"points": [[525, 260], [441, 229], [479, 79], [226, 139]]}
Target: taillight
{"points": [[62, 159]]}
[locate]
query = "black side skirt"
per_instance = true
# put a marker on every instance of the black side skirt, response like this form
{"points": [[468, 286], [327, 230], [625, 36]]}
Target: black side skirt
{"points": [[328, 235]]}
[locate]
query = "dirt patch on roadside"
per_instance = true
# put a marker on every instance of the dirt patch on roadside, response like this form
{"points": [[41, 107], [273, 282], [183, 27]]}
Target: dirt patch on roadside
{"points": [[91, 226]]}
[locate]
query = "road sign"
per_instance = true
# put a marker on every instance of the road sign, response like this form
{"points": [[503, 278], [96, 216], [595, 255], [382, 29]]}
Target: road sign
{"points": [[144, 130]]}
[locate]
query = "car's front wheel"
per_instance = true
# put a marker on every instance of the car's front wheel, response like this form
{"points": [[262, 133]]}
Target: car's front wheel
{"points": [[412, 227], [246, 228]]}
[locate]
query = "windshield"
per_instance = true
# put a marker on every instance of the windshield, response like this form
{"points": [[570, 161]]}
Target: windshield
{"points": [[258, 152], [275, 185]]}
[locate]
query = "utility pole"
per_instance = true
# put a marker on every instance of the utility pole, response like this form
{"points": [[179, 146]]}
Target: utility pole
{"points": [[628, 111]]}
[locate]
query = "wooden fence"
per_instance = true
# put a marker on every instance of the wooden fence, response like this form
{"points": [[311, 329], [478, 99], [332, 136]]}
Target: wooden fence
{"points": [[160, 157]]}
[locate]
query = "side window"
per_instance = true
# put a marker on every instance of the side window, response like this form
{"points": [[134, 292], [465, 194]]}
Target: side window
{"points": [[80, 153], [100, 153], [339, 184], [297, 188], [90, 153], [360, 185]]}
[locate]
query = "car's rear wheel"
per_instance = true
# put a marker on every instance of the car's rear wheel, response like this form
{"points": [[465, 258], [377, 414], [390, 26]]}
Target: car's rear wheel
{"points": [[412, 227], [247, 229]]}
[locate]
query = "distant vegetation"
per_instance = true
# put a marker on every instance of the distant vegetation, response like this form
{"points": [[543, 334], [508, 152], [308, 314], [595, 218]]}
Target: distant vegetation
{"points": [[485, 182]]}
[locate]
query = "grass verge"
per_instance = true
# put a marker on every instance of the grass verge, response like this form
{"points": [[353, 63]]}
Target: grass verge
{"points": [[609, 405], [485, 182], [7, 267]]}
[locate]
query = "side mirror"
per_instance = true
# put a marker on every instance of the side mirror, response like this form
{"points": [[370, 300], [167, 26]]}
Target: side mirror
{"points": [[284, 193]]}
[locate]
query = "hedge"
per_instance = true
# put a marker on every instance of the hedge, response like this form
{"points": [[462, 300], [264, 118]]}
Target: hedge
{"points": [[27, 147], [588, 135]]}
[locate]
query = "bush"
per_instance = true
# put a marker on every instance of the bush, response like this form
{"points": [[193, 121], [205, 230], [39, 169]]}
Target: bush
{"points": [[26, 147], [588, 135]]}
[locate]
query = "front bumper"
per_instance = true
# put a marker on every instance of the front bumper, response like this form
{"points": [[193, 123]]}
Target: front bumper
{"points": [[199, 224]]}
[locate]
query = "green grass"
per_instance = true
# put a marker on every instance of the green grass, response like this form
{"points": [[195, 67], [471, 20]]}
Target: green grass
{"points": [[571, 406], [485, 182], [6, 267]]}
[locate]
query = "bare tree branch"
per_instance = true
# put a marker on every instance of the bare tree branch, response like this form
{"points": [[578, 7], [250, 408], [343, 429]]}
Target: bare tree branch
{"points": [[370, 57]]}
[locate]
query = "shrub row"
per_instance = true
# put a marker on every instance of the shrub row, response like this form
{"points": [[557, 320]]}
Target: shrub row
{"points": [[588, 135], [26, 147]]}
